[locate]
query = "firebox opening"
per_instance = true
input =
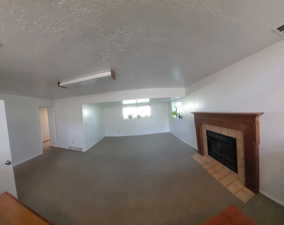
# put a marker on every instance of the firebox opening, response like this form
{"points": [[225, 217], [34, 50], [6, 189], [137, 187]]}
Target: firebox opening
{"points": [[223, 149]]}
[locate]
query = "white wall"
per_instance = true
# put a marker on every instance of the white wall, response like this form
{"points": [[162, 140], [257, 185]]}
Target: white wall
{"points": [[68, 125], [24, 126], [68, 112], [92, 125], [254, 84], [184, 129], [44, 124], [7, 178], [115, 125]]}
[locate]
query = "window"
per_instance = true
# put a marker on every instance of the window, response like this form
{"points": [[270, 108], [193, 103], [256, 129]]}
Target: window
{"points": [[129, 101], [177, 110], [135, 101], [137, 108], [136, 112]]}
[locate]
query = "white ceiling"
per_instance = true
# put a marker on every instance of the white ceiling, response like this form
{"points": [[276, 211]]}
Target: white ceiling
{"points": [[149, 43]]}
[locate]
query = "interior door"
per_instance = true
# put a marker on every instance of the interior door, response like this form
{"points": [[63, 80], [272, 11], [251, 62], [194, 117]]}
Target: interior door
{"points": [[7, 178]]}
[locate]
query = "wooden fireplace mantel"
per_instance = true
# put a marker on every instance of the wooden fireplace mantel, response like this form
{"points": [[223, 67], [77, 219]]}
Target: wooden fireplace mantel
{"points": [[248, 124]]}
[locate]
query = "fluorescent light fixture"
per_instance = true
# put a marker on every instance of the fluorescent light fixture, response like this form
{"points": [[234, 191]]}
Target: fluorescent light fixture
{"points": [[87, 78], [135, 101]]}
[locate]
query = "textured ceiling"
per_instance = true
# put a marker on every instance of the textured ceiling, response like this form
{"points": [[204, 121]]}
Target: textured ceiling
{"points": [[160, 43]]}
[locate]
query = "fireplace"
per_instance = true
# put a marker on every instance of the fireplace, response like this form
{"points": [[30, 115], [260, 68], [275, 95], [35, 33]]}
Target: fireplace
{"points": [[233, 140], [223, 148]]}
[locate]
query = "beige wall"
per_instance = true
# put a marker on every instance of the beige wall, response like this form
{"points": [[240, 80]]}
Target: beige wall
{"points": [[44, 124]]}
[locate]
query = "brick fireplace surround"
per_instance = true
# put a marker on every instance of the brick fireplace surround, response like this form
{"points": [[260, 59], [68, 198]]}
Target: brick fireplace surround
{"points": [[242, 126]]}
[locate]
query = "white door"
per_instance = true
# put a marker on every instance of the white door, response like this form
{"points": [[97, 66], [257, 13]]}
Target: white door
{"points": [[7, 178]]}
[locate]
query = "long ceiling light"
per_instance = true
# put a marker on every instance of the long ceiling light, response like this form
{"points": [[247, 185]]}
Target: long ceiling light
{"points": [[65, 83]]}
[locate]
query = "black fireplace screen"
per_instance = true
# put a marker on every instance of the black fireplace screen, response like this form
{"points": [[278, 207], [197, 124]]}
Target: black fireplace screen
{"points": [[223, 149]]}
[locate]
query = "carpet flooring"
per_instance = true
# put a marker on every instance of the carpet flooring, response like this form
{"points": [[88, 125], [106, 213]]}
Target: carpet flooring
{"points": [[141, 180]]}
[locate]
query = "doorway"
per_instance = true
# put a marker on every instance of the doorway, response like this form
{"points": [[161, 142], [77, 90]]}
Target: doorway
{"points": [[44, 129]]}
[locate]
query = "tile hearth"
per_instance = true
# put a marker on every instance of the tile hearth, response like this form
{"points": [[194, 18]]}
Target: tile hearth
{"points": [[225, 176]]}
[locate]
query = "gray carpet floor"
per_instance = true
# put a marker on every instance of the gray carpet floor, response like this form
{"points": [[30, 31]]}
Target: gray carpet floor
{"points": [[141, 180]]}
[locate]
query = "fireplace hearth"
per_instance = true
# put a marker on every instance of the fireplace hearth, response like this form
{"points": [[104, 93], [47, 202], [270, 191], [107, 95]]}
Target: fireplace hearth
{"points": [[224, 149], [244, 127]]}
